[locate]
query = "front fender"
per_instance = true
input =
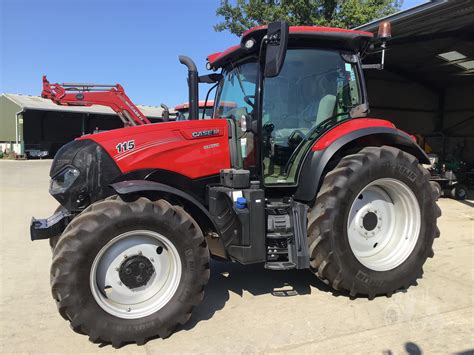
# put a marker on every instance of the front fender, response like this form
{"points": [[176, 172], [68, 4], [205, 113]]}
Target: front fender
{"points": [[192, 206], [327, 148]]}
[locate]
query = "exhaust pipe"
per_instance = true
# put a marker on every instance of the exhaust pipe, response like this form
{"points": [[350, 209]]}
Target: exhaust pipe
{"points": [[193, 86], [166, 113]]}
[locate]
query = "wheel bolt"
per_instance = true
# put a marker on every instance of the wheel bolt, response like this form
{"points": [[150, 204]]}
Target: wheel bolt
{"points": [[128, 271], [120, 283], [141, 265], [139, 279]]}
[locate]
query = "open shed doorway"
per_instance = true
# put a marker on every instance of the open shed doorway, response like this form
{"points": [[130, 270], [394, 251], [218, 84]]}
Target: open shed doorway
{"points": [[427, 85], [47, 131]]}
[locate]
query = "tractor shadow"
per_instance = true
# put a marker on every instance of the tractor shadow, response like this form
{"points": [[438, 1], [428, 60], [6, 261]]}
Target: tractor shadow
{"points": [[229, 277]]}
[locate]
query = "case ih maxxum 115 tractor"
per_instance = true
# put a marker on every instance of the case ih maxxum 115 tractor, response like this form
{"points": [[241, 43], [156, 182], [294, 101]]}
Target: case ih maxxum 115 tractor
{"points": [[293, 176]]}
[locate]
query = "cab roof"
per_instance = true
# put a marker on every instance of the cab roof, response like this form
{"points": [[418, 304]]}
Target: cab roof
{"points": [[310, 36]]}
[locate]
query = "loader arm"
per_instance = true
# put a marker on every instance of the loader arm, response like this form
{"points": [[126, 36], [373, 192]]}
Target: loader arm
{"points": [[113, 96]]}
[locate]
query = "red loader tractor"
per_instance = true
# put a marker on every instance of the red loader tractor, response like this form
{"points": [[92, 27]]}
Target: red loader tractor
{"points": [[295, 175]]}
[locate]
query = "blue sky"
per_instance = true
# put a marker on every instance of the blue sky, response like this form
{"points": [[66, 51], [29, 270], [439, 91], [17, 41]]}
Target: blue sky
{"points": [[132, 42]]}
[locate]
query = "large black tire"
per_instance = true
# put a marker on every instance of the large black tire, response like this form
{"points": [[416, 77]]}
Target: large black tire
{"points": [[55, 239], [332, 258], [86, 235], [437, 189]]}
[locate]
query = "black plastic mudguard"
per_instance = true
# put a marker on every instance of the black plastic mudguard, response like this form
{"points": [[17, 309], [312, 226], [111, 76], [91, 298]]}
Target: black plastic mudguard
{"points": [[199, 212], [316, 162]]}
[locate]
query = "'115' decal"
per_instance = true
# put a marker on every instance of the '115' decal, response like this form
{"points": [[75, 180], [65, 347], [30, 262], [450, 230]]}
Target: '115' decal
{"points": [[125, 146]]}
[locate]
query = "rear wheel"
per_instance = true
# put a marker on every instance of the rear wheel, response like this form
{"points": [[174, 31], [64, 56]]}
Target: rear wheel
{"points": [[129, 271], [373, 223]]}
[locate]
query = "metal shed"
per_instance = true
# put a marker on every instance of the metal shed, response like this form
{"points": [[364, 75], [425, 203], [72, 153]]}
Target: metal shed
{"points": [[32, 124], [427, 85]]}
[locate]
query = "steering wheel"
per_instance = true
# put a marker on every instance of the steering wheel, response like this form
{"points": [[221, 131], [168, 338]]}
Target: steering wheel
{"points": [[293, 139], [306, 136]]}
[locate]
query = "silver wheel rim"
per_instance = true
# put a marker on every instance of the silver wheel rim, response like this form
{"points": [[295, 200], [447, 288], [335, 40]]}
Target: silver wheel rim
{"points": [[384, 224], [113, 296]]}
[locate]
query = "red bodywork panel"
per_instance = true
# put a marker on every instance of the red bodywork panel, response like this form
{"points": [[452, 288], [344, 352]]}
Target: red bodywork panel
{"points": [[195, 148], [201, 104], [344, 128]]}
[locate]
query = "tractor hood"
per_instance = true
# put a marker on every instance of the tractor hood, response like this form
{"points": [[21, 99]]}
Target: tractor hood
{"points": [[195, 149], [83, 169]]}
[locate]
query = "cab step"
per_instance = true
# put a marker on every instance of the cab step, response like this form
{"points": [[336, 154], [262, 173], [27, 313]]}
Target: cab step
{"points": [[286, 235]]}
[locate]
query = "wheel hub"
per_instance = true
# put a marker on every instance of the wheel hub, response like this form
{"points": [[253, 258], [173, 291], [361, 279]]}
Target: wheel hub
{"points": [[136, 271], [369, 221], [135, 274], [383, 224]]}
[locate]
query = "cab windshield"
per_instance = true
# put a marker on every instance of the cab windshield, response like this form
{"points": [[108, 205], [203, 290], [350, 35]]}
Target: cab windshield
{"points": [[315, 90], [237, 92]]}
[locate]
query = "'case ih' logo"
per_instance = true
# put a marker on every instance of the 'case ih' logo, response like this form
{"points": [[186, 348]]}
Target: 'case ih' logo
{"points": [[210, 132]]}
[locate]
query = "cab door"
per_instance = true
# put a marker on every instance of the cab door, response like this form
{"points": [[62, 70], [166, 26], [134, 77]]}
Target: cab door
{"points": [[235, 102]]}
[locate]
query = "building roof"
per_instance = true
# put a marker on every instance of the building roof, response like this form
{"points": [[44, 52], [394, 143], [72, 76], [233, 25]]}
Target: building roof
{"points": [[28, 102], [431, 43]]}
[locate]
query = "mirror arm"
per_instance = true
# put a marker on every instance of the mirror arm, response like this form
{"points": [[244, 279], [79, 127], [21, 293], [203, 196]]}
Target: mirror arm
{"points": [[380, 65]]}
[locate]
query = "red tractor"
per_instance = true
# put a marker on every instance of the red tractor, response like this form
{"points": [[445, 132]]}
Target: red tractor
{"points": [[294, 176], [205, 108]]}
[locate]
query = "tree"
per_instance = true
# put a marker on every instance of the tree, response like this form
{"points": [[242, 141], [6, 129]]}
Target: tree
{"points": [[334, 13]]}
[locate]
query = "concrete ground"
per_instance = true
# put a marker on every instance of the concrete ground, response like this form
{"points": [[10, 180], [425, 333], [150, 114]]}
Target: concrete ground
{"points": [[243, 310]]}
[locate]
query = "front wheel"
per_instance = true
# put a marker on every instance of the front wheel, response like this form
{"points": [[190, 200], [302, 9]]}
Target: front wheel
{"points": [[373, 223], [129, 271]]}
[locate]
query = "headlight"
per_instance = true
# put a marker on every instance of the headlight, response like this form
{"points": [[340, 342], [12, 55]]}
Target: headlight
{"points": [[63, 180]]}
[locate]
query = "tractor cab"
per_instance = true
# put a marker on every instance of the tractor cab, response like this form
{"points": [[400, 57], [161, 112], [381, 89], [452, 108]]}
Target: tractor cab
{"points": [[205, 110], [318, 86]]}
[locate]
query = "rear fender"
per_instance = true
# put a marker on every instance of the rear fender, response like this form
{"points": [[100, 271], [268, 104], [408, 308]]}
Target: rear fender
{"points": [[191, 205], [325, 154]]}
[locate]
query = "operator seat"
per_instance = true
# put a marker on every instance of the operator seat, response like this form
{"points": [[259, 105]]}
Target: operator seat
{"points": [[325, 108]]}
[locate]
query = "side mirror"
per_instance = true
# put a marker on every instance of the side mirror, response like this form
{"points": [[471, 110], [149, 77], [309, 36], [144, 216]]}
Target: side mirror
{"points": [[277, 43]]}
